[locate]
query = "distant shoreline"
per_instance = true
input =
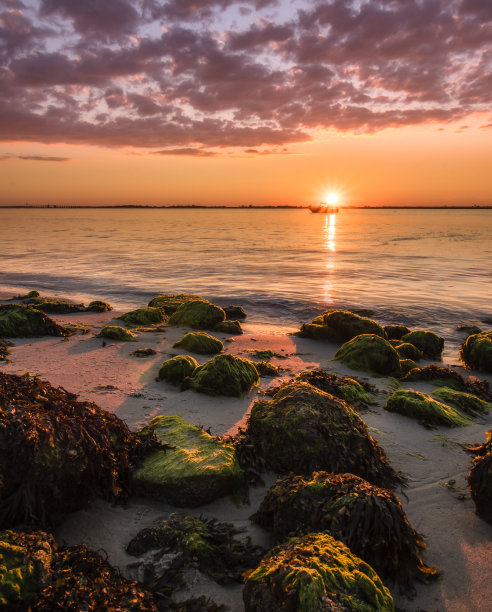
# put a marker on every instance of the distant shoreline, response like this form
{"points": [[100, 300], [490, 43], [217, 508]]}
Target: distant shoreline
{"points": [[243, 207]]}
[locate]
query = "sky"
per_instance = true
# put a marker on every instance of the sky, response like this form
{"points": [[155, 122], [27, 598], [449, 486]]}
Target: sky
{"points": [[267, 102]]}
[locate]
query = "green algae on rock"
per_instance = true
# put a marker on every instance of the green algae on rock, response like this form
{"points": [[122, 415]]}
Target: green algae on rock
{"points": [[200, 342], [315, 573], [395, 332], [369, 520], [25, 560], [467, 402], [408, 351], [21, 321], [303, 429], [480, 479], [170, 302], [423, 408], [224, 375], [446, 377], [407, 365], [369, 353], [476, 352], [27, 296], [194, 469], [357, 393], [55, 306], [99, 306], [429, 343], [340, 326], [470, 330], [176, 369], [234, 312], [229, 327], [146, 315], [265, 368], [116, 332], [197, 314], [143, 352]]}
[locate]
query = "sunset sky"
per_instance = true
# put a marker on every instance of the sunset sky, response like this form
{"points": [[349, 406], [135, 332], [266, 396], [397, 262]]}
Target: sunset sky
{"points": [[250, 102]]}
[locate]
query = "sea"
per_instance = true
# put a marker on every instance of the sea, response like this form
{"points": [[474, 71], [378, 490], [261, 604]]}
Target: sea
{"points": [[425, 268]]}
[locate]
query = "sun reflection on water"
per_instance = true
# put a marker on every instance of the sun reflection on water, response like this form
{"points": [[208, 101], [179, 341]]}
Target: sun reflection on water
{"points": [[330, 245]]}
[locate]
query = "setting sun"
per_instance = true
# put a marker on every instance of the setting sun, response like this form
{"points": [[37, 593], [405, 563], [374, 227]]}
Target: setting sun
{"points": [[332, 198]]}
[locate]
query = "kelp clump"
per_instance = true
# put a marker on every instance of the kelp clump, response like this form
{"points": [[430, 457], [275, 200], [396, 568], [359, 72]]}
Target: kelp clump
{"points": [[423, 408], [476, 352], [192, 470], [467, 402], [116, 332], [429, 343], [359, 394], [229, 327], [57, 453], [143, 316], [315, 573], [200, 342], [224, 375], [369, 353], [170, 302], [176, 369], [480, 479], [303, 429], [184, 540], [369, 520], [446, 377], [395, 332], [339, 326], [21, 321], [197, 314]]}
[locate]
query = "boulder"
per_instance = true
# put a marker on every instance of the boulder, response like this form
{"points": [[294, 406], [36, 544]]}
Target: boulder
{"points": [[395, 332], [480, 479], [176, 369], [197, 314], [315, 573], [170, 302], [467, 402], [265, 368], [469, 330], [234, 312], [143, 316], [429, 343], [200, 342], [116, 332], [194, 469], [229, 327], [446, 377], [369, 353], [99, 306], [143, 352], [55, 306], [423, 408], [476, 352], [357, 393], [408, 351], [224, 375], [342, 325], [21, 321], [406, 365]]}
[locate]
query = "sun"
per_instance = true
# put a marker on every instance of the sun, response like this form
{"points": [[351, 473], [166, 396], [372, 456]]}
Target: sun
{"points": [[331, 198]]}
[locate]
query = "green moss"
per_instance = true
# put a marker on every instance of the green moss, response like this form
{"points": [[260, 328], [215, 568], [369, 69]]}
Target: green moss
{"points": [[264, 355], [350, 389], [176, 369], [234, 312], [341, 325], [428, 342], [99, 306], [197, 314], [195, 470], [423, 408], [27, 296], [17, 320], [265, 368], [407, 365], [229, 327], [470, 330], [315, 573], [316, 331], [408, 351], [225, 375], [170, 302], [369, 353], [200, 342], [143, 352], [476, 352], [116, 332], [395, 332], [467, 402], [143, 316]]}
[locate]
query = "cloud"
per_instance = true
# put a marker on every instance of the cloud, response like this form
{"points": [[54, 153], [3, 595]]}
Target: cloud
{"points": [[187, 152], [35, 158]]}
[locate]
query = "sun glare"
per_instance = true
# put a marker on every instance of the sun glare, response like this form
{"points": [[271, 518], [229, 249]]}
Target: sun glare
{"points": [[331, 198]]}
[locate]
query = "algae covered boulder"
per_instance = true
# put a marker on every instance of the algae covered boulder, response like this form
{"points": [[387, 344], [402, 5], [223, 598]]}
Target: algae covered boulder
{"points": [[195, 468], [369, 353], [315, 573], [480, 479], [340, 326], [476, 352], [234, 312], [57, 306], [116, 332], [176, 369], [408, 351], [224, 375], [429, 343], [303, 429], [200, 342], [446, 377], [170, 302], [357, 393], [423, 408], [99, 306], [25, 562], [229, 327], [21, 321], [197, 314], [395, 332], [406, 365], [143, 316], [467, 402], [369, 520]]}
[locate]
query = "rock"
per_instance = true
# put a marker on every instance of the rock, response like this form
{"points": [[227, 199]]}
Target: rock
{"points": [[303, 429], [357, 393], [143, 352], [470, 330], [194, 470], [367, 519], [55, 306], [316, 331], [116, 332], [265, 368], [176, 369], [234, 312], [143, 316], [480, 479], [395, 332], [467, 402], [99, 306], [200, 342], [229, 327], [369, 353], [21, 321], [224, 375], [424, 409], [4, 350], [342, 325], [170, 302], [27, 296], [406, 365], [476, 352], [408, 351], [428, 342], [315, 573], [264, 355], [25, 561], [56, 453], [197, 314], [445, 377]]}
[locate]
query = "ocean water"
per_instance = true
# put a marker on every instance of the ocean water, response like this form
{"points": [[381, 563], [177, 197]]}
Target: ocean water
{"points": [[421, 267]]}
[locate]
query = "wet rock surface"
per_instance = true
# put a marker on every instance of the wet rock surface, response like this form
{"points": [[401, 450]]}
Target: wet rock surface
{"points": [[21, 321], [224, 375], [369, 353], [476, 352], [480, 479]]}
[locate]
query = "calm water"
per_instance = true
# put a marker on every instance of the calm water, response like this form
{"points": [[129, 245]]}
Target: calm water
{"points": [[432, 267]]}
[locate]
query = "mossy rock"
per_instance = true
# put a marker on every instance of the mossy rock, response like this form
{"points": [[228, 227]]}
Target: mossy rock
{"points": [[357, 393], [28, 296], [143, 352], [316, 331], [234, 313], [480, 479], [265, 368], [408, 351], [146, 315], [200, 342], [116, 332], [476, 352], [55, 306], [395, 332], [21, 321], [176, 369], [315, 573], [197, 314], [345, 506], [469, 330], [425, 409], [369, 353], [229, 327], [342, 325], [194, 470], [224, 375], [99, 306], [303, 429], [170, 302], [446, 377], [264, 355], [467, 402], [407, 365], [429, 343], [4, 350], [25, 561]]}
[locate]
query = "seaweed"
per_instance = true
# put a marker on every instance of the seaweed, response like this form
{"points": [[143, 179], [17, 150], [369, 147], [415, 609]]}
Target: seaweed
{"points": [[406, 365], [266, 368], [19, 320], [229, 327], [99, 306], [4, 350], [340, 326], [143, 316], [369, 353], [424, 409], [176, 369], [200, 342], [395, 332], [358, 393], [429, 343], [480, 483], [116, 332], [143, 352], [224, 375], [467, 402], [476, 352], [197, 314], [170, 302], [408, 351], [445, 377]]}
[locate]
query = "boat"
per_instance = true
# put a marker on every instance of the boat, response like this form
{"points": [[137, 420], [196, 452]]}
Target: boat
{"points": [[323, 208]]}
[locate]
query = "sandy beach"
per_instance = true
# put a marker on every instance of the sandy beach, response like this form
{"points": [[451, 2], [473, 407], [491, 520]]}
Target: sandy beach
{"points": [[459, 543]]}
